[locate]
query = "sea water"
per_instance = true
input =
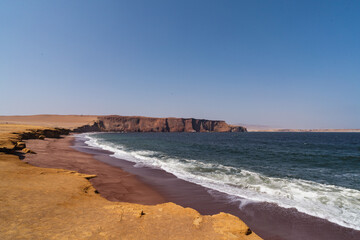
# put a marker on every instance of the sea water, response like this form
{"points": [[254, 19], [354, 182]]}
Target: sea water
{"points": [[316, 173]]}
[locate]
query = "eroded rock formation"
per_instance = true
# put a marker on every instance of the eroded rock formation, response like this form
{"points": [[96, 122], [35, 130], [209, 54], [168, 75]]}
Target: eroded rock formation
{"points": [[116, 123], [14, 141]]}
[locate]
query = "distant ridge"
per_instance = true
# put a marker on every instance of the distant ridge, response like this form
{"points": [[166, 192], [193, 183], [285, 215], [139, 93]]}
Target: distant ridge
{"points": [[115, 123]]}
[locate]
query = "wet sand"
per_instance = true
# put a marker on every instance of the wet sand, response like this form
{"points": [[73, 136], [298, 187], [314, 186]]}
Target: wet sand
{"points": [[267, 220]]}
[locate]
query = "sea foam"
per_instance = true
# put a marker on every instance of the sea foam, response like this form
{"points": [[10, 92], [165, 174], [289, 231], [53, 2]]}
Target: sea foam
{"points": [[337, 204]]}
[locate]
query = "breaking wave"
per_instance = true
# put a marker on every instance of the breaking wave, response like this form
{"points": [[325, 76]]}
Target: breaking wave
{"points": [[335, 203]]}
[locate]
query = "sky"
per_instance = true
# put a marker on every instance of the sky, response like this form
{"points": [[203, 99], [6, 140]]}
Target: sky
{"points": [[287, 64]]}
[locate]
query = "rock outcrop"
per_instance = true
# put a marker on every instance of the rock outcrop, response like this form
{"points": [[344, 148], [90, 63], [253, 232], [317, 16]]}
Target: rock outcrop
{"points": [[116, 123], [14, 141], [44, 133]]}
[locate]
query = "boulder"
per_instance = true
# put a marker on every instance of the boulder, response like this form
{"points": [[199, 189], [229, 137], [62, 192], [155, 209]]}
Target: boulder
{"points": [[20, 145], [26, 150], [42, 137]]}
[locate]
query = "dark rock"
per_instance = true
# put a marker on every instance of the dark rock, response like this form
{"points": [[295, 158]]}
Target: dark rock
{"points": [[248, 232]]}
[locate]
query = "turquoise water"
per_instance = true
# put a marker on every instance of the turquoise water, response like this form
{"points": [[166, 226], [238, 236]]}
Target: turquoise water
{"points": [[316, 173]]}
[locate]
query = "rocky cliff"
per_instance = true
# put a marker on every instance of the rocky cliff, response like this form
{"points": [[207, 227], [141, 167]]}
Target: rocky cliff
{"points": [[116, 123]]}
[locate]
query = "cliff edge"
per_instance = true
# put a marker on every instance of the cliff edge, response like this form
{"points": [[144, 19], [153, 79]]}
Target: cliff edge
{"points": [[115, 123]]}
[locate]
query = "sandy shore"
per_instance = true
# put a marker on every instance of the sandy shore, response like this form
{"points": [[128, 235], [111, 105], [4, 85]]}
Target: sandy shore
{"points": [[47, 203], [119, 180], [113, 183]]}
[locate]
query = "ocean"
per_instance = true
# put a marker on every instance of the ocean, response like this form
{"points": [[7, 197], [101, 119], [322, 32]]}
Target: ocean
{"points": [[316, 173]]}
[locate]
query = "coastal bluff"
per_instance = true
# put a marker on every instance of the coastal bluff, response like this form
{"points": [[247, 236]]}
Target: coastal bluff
{"points": [[115, 123]]}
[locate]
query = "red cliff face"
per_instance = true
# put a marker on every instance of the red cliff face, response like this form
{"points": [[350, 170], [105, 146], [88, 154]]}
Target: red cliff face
{"points": [[116, 123]]}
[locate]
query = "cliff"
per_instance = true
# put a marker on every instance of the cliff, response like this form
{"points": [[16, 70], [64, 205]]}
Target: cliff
{"points": [[116, 123]]}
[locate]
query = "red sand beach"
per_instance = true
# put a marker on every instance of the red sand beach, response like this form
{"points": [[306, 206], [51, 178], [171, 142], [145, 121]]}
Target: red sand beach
{"points": [[113, 183], [118, 180], [54, 203]]}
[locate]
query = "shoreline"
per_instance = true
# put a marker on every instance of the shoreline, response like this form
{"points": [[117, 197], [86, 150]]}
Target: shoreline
{"points": [[75, 201], [268, 220], [48, 203], [112, 183]]}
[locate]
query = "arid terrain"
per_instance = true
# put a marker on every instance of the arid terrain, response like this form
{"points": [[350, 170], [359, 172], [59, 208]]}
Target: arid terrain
{"points": [[48, 203]]}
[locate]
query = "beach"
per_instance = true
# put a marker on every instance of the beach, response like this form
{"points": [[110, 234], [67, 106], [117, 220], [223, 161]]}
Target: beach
{"points": [[54, 203], [113, 183], [64, 181], [268, 220]]}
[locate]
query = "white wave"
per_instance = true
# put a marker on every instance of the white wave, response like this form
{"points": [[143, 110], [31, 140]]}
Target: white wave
{"points": [[334, 203]]}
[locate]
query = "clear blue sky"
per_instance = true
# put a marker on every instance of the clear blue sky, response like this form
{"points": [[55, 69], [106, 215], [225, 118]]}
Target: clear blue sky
{"points": [[292, 64]]}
